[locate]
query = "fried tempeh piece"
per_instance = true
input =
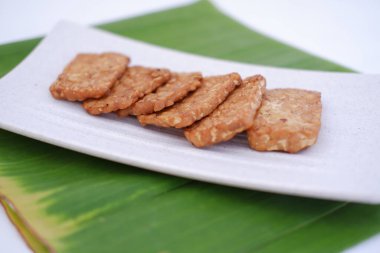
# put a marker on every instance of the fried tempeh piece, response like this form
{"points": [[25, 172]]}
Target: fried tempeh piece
{"points": [[179, 85], [89, 76], [134, 84], [233, 116], [288, 120], [199, 104]]}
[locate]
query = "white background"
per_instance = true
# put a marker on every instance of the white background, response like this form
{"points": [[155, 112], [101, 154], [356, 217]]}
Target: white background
{"points": [[346, 32]]}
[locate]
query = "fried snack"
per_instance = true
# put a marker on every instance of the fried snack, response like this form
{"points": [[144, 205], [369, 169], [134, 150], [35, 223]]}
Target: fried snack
{"points": [[288, 120], [89, 76], [199, 104], [233, 116], [179, 85], [134, 84]]}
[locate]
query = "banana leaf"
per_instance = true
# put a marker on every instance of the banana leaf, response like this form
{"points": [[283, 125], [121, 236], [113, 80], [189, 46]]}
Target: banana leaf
{"points": [[63, 201]]}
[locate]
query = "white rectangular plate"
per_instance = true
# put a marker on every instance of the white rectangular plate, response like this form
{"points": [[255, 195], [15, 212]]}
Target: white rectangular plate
{"points": [[343, 165]]}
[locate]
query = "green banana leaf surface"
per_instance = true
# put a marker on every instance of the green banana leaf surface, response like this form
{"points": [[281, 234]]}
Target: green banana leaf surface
{"points": [[63, 201]]}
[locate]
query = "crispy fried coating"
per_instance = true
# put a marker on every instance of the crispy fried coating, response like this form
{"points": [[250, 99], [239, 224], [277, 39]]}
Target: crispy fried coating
{"points": [[134, 84], [288, 120], [89, 76], [179, 85], [199, 104], [233, 116]]}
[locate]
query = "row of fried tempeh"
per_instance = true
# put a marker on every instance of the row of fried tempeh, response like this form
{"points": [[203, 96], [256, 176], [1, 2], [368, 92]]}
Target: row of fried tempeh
{"points": [[210, 109]]}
